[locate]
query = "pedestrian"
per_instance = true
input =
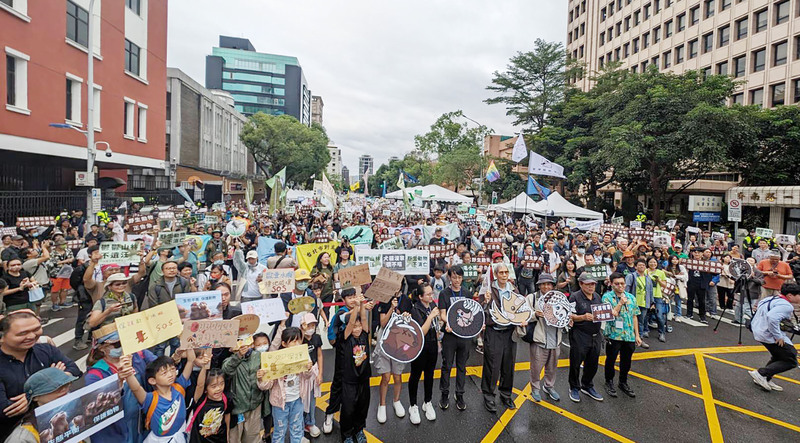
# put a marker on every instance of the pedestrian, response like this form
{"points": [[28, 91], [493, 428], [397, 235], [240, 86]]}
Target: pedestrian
{"points": [[622, 334], [640, 285], [426, 314], [388, 369], [776, 273], [356, 372], [455, 350], [242, 368], [766, 326], [545, 344], [585, 341], [499, 349]]}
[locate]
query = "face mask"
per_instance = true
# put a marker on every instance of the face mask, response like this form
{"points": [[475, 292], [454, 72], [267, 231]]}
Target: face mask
{"points": [[219, 262], [302, 285], [263, 348], [115, 353], [308, 332], [581, 251], [607, 259]]}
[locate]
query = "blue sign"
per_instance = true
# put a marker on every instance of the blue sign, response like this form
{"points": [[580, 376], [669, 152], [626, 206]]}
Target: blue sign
{"points": [[706, 216]]}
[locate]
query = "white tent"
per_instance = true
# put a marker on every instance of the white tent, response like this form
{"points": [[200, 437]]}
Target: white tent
{"points": [[558, 206], [431, 193], [521, 203]]}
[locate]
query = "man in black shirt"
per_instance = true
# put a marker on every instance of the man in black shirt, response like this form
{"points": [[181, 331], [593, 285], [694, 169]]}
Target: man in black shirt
{"points": [[454, 349], [585, 340]]}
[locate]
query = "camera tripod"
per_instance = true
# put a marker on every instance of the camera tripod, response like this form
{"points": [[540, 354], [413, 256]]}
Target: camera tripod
{"points": [[744, 291]]}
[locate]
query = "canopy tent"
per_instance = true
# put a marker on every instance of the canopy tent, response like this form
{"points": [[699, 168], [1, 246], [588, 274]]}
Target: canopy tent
{"points": [[521, 204], [558, 206], [296, 195], [431, 193]]}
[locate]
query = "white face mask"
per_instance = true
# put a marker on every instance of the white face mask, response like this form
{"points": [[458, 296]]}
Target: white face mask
{"points": [[262, 348], [308, 332]]}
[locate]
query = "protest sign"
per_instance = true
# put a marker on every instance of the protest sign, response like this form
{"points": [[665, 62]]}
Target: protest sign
{"points": [[713, 267], [266, 248], [8, 231], [615, 229], [402, 339], [635, 224], [671, 223], [236, 227], [197, 244], [465, 317], [385, 286], [618, 220], [718, 236], [170, 239], [248, 323], [669, 289], [439, 251], [404, 261], [302, 304], [277, 281], [148, 328], [121, 253], [392, 243], [662, 241], [693, 230], [199, 305], [138, 223], [291, 360], [80, 414], [533, 261], [470, 271], [557, 309], [307, 254], [599, 272], [591, 225], [764, 232], [657, 232], [449, 231], [602, 312], [493, 243], [211, 220], [784, 239], [204, 334], [514, 310], [358, 235], [189, 221], [75, 244], [355, 275], [33, 222], [268, 311]]}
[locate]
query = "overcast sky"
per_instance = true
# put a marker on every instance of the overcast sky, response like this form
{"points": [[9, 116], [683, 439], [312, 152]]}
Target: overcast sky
{"points": [[386, 69]]}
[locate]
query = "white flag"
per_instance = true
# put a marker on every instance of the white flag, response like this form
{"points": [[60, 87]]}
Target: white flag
{"points": [[538, 165], [520, 150]]}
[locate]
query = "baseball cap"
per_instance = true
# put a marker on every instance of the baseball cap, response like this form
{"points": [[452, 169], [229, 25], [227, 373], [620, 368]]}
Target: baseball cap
{"points": [[252, 254], [585, 277], [301, 274], [309, 318], [496, 254], [47, 381]]}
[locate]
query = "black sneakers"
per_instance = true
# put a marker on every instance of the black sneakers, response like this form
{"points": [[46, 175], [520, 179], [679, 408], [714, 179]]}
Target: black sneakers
{"points": [[444, 403], [610, 388]]}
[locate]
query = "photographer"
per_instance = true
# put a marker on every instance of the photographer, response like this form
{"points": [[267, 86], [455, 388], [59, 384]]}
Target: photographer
{"points": [[766, 327]]}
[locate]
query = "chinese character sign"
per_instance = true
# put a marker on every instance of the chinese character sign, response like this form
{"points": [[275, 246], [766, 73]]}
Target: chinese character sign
{"points": [[148, 328]]}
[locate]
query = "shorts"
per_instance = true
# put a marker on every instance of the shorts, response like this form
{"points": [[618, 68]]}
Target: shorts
{"points": [[385, 365], [60, 284]]}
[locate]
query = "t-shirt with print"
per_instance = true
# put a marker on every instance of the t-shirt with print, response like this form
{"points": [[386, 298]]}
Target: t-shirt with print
{"points": [[209, 424], [169, 415], [627, 315], [314, 343]]}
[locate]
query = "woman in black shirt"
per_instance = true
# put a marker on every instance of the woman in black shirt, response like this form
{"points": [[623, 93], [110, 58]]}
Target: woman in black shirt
{"points": [[425, 313], [15, 296]]}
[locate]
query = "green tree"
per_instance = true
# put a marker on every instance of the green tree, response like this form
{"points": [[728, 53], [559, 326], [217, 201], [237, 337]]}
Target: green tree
{"points": [[337, 182], [282, 141], [533, 83]]}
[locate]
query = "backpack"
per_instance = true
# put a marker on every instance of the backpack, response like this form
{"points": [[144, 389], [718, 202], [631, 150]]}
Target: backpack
{"points": [[152, 409], [199, 407], [333, 328], [76, 279], [747, 324], [139, 290]]}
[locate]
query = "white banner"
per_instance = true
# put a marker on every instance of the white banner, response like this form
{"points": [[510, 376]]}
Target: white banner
{"points": [[591, 225], [403, 261]]}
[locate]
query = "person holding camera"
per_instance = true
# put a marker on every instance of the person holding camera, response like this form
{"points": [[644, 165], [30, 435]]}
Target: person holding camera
{"points": [[766, 327]]}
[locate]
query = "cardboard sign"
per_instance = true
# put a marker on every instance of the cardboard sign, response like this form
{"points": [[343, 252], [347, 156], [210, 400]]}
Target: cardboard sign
{"points": [[205, 334], [533, 261], [764, 232], [302, 304], [355, 275], [291, 360], [80, 414], [268, 311], [277, 281], [602, 312], [385, 286], [439, 251], [248, 323], [713, 267], [402, 339], [599, 272], [33, 222], [138, 223], [148, 328], [465, 317], [557, 309], [404, 261], [199, 305], [785, 239], [514, 310], [170, 239], [121, 253]]}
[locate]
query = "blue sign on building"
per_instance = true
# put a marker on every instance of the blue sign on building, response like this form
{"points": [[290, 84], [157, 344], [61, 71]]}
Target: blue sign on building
{"points": [[706, 216]]}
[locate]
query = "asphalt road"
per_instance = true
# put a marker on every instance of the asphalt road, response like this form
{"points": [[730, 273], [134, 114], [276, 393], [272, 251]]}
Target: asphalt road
{"points": [[694, 388]]}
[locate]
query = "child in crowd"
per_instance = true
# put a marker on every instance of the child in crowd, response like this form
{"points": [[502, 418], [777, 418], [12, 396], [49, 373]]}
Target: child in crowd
{"points": [[310, 337], [41, 388], [356, 372], [211, 419]]}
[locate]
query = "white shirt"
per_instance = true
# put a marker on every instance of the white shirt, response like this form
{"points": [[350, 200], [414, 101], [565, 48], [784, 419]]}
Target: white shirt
{"points": [[82, 255], [251, 275]]}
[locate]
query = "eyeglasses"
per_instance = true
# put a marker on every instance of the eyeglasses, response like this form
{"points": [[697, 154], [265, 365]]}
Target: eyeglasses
{"points": [[502, 272]]}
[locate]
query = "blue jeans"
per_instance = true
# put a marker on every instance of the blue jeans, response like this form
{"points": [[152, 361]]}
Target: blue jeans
{"points": [[174, 343], [677, 309], [308, 417], [291, 418]]}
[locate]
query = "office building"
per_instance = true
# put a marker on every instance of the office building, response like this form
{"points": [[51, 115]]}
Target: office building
{"points": [[316, 109], [365, 163], [346, 176], [45, 81], [335, 165], [755, 41], [259, 82]]}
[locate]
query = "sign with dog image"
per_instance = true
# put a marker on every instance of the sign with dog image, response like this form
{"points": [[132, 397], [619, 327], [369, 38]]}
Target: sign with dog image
{"points": [[402, 339]]}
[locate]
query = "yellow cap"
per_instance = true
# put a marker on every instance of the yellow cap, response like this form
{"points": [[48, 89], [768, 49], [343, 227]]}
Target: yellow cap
{"points": [[301, 274]]}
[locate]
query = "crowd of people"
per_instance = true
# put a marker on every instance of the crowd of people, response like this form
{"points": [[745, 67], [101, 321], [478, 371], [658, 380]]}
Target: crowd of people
{"points": [[175, 395]]}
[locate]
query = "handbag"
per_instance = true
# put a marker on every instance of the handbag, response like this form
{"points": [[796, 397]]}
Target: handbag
{"points": [[35, 294]]}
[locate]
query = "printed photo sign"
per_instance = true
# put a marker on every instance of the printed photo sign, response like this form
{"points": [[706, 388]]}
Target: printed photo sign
{"points": [[277, 281], [205, 334], [302, 304], [402, 339], [199, 305], [556, 309], [465, 317], [236, 227], [291, 360]]}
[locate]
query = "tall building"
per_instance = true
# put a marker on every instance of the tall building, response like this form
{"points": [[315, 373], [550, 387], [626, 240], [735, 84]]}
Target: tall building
{"points": [[365, 162], [316, 108], [335, 165], [259, 82], [346, 176], [749, 40], [203, 140], [45, 82]]}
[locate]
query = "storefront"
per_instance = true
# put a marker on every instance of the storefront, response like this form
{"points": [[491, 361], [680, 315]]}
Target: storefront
{"points": [[783, 203]]}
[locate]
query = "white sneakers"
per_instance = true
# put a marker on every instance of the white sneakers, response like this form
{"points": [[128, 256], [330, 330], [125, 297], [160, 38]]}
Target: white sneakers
{"points": [[382, 414], [430, 413], [413, 415], [775, 387], [327, 427], [399, 410], [760, 380], [313, 431]]}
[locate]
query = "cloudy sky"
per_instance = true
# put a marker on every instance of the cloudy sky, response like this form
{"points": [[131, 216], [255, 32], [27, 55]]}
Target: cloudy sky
{"points": [[386, 69]]}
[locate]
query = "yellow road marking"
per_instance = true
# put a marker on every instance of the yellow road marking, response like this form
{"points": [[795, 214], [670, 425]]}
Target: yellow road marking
{"points": [[708, 400], [728, 362], [502, 422]]}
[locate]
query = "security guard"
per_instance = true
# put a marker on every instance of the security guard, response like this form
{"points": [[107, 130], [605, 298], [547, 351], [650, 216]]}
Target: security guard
{"points": [[641, 217], [750, 242], [103, 217]]}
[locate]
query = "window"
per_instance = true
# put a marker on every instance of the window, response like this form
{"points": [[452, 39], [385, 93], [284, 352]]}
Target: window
{"points": [[616, 54], [757, 97], [634, 69], [135, 6], [741, 28], [726, 4], [656, 6], [626, 50], [128, 116], [759, 60], [645, 40], [600, 61], [131, 57], [679, 54], [694, 15], [666, 59], [738, 99], [611, 8], [618, 28], [722, 68], [708, 42], [780, 52], [709, 8], [610, 33], [77, 24], [668, 29], [739, 66], [603, 14], [782, 12], [73, 105], [583, 29], [637, 15], [8, 2], [17, 81], [761, 20], [636, 45], [647, 11], [681, 22], [706, 72], [724, 34], [644, 65], [778, 94], [693, 49], [142, 134], [797, 47], [656, 34], [627, 23], [796, 88], [602, 38], [654, 61], [580, 52]]}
